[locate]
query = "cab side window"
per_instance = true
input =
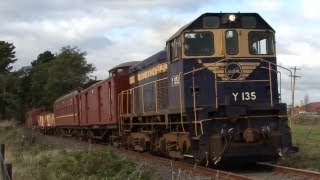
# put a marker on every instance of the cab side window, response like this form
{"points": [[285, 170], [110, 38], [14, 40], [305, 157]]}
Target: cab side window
{"points": [[261, 42], [174, 50], [198, 43]]}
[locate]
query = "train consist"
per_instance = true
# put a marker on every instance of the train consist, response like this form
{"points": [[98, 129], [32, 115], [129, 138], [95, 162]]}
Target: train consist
{"points": [[211, 95]]}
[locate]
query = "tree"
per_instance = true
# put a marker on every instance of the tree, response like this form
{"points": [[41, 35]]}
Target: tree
{"points": [[39, 77], [39, 85], [14, 97], [7, 57], [43, 58], [67, 72]]}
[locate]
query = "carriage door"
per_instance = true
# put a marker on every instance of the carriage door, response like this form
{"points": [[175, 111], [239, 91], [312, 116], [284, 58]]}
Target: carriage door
{"points": [[86, 106], [99, 104], [110, 100]]}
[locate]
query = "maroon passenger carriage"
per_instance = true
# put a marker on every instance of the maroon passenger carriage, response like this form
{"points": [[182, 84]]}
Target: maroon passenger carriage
{"points": [[92, 113]]}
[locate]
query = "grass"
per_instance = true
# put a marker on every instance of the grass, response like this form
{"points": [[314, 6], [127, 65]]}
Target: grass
{"points": [[34, 161], [305, 135], [99, 164]]}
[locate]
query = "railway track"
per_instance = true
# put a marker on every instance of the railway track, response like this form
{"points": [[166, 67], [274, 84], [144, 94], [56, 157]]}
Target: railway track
{"points": [[304, 174], [265, 171], [178, 165], [259, 171]]}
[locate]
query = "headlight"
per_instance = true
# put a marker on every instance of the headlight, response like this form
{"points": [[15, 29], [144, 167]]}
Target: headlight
{"points": [[232, 17]]}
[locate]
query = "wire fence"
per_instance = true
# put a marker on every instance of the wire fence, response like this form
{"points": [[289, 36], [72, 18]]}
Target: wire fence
{"points": [[307, 139], [306, 132]]}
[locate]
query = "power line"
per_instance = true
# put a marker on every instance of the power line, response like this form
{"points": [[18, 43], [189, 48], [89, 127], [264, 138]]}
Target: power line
{"points": [[294, 76]]}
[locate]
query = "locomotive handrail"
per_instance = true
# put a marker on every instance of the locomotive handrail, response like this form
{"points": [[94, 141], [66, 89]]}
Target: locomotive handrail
{"points": [[270, 83], [180, 97], [128, 92], [216, 90], [263, 60], [194, 106], [279, 79]]}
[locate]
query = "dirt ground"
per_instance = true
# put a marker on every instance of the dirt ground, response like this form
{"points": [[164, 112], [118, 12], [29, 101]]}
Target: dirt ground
{"points": [[63, 143]]}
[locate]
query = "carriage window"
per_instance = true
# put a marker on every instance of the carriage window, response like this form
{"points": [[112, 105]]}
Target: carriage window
{"points": [[112, 73], [261, 42], [232, 42], [198, 44], [119, 70]]}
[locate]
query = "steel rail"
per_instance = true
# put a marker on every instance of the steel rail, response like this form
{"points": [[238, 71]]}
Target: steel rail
{"points": [[292, 171], [186, 166]]}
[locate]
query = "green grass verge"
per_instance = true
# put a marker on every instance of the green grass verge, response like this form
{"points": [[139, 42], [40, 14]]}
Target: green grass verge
{"points": [[98, 164], [46, 162], [305, 135]]}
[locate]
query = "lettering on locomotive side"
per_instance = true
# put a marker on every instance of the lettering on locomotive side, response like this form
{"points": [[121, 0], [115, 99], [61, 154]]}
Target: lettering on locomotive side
{"points": [[175, 81], [244, 96], [153, 71]]}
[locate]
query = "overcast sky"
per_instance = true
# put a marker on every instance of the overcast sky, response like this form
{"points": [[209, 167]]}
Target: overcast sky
{"points": [[116, 31]]}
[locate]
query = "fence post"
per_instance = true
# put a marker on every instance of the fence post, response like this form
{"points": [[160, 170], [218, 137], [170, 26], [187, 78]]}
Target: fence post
{"points": [[2, 160], [9, 172]]}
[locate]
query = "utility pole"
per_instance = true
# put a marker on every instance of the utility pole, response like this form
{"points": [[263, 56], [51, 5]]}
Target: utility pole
{"points": [[294, 76]]}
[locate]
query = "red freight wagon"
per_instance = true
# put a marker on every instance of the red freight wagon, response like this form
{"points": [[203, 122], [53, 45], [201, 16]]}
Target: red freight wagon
{"points": [[95, 104], [31, 117], [99, 105], [66, 110]]}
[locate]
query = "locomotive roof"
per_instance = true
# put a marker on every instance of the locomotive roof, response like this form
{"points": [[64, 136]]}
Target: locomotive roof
{"points": [[124, 65], [198, 23], [157, 58]]}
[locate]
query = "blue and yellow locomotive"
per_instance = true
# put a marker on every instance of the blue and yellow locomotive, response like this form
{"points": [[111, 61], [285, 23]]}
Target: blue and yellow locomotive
{"points": [[212, 95]]}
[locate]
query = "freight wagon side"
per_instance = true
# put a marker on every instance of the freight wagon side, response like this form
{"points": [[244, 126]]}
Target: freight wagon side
{"points": [[99, 106], [46, 122], [31, 117], [66, 111]]}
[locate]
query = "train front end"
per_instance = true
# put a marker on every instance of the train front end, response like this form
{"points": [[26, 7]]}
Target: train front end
{"points": [[225, 79]]}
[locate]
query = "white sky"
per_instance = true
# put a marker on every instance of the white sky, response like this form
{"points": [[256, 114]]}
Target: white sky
{"points": [[117, 31]]}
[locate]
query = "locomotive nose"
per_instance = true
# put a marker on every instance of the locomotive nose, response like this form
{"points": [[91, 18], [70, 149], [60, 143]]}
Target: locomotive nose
{"points": [[251, 135]]}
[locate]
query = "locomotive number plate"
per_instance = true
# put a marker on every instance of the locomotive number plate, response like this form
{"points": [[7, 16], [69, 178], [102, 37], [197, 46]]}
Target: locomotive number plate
{"points": [[175, 81], [244, 96]]}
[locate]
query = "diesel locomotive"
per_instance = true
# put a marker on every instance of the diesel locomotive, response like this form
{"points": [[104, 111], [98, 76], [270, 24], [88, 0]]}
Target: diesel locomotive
{"points": [[212, 95]]}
